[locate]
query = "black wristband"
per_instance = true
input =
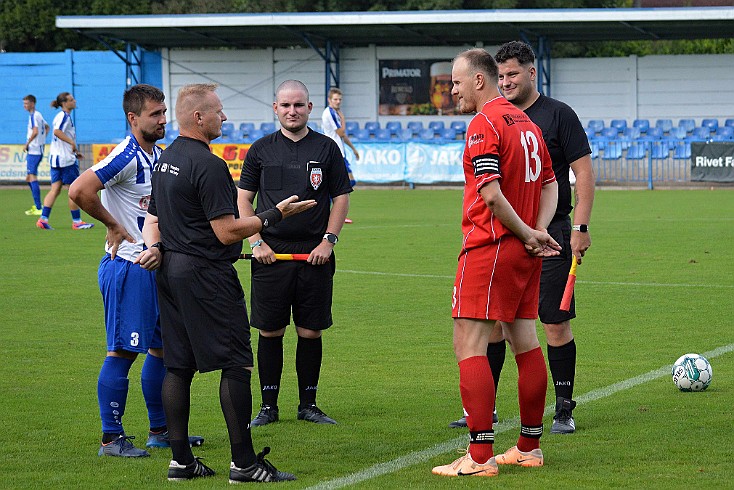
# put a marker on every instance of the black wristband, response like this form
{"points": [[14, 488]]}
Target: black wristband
{"points": [[270, 217]]}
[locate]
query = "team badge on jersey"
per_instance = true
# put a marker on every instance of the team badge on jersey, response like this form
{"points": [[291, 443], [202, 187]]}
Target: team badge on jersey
{"points": [[316, 177]]}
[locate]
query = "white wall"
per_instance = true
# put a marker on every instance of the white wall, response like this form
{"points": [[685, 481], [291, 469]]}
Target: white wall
{"points": [[651, 87]]}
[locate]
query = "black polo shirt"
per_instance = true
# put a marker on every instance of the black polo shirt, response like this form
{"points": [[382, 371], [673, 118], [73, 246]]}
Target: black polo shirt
{"points": [[192, 186], [566, 140], [277, 167]]}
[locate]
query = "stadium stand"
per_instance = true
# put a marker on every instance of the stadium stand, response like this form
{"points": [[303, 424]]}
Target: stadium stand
{"points": [[459, 127], [351, 128], [415, 127], [619, 124], [436, 126], [712, 124], [729, 123], [687, 124], [394, 127], [637, 150], [642, 124], [267, 127], [372, 127], [664, 124], [596, 124]]}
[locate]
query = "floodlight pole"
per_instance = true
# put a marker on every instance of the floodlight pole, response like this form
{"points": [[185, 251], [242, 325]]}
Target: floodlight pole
{"points": [[330, 55]]}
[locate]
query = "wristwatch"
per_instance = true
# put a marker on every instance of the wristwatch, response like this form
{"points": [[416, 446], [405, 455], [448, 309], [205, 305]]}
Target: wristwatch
{"points": [[581, 228], [331, 238], [256, 243], [157, 245]]}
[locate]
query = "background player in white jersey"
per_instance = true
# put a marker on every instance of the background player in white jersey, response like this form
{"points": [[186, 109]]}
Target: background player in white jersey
{"points": [[63, 157], [128, 291], [332, 119], [34, 145]]}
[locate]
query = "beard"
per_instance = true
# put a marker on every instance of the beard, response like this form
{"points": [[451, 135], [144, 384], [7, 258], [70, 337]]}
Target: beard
{"points": [[153, 136]]}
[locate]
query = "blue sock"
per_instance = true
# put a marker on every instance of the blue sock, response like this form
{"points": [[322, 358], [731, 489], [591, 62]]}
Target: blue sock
{"points": [[36, 192], [152, 381], [46, 212], [112, 392], [76, 215]]}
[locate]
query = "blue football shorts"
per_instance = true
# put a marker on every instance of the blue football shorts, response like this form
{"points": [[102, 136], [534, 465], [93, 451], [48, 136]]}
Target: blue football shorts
{"points": [[66, 175], [32, 163], [130, 305]]}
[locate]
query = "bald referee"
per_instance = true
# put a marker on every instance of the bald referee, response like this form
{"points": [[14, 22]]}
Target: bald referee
{"points": [[193, 219], [294, 160]]}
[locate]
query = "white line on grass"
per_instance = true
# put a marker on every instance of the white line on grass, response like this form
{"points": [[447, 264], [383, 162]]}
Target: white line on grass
{"points": [[424, 455], [596, 283]]}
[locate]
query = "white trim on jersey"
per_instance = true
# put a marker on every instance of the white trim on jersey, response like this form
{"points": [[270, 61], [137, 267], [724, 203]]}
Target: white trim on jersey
{"points": [[60, 154], [36, 120], [125, 174]]}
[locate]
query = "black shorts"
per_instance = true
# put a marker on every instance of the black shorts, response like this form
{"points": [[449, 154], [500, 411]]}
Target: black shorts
{"points": [[292, 285], [203, 314], [554, 276]]}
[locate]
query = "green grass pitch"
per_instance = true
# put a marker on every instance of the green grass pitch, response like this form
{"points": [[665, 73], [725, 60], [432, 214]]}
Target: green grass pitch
{"points": [[657, 283]]}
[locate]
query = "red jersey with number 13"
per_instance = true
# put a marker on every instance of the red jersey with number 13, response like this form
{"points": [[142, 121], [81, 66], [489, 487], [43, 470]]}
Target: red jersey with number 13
{"points": [[502, 143]]}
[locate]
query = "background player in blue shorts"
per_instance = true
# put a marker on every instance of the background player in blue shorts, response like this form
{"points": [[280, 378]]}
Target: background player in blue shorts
{"points": [[35, 141], [63, 158], [128, 291]]}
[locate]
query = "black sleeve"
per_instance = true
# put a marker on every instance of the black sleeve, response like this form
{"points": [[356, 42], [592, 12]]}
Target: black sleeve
{"points": [[251, 169], [571, 134], [213, 183]]}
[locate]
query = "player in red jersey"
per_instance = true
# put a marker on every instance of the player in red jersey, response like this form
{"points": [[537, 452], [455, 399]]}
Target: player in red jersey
{"points": [[510, 196]]}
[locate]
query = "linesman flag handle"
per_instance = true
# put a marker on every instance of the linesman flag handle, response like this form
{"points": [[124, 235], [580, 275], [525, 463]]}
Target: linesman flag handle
{"points": [[568, 292], [302, 257]]}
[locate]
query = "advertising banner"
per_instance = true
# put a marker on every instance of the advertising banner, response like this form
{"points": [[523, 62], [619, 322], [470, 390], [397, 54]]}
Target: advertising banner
{"points": [[13, 168], [416, 87], [431, 163], [379, 163], [712, 162]]}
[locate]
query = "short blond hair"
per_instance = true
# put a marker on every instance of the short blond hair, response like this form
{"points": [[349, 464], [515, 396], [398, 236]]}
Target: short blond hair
{"points": [[193, 98]]}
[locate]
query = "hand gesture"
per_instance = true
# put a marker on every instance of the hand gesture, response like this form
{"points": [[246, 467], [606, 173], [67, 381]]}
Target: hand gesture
{"points": [[293, 206], [541, 244], [115, 235]]}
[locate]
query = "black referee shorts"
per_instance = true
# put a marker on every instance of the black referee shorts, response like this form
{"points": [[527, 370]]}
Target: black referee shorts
{"points": [[203, 314], [306, 289], [554, 276]]}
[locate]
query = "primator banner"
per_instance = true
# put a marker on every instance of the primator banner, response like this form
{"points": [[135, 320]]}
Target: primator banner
{"points": [[712, 162]]}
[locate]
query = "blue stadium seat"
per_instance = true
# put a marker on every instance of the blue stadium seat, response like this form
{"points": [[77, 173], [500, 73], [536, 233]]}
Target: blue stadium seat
{"points": [[254, 135], [405, 134], [678, 132], [267, 127], [246, 127], [171, 134], [729, 123], [609, 133], [459, 127], [660, 150], [720, 138], [227, 129], [712, 124], [448, 133], [725, 131], [701, 133], [362, 135], [590, 134], [633, 132], [594, 149], [687, 124], [643, 124], [664, 124], [426, 134], [682, 151], [612, 152], [415, 126], [637, 150], [394, 127], [372, 126], [620, 124], [352, 128], [383, 134], [655, 133], [596, 124], [315, 126], [436, 126]]}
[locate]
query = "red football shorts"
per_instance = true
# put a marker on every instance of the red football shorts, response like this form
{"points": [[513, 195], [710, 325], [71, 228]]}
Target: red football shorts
{"points": [[500, 281]]}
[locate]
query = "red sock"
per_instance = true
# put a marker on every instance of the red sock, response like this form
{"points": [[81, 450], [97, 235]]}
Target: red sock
{"points": [[477, 395], [532, 385]]}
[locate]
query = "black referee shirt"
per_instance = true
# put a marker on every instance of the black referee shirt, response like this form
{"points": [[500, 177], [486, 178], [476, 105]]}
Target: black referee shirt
{"points": [[277, 167], [566, 140], [191, 186]]}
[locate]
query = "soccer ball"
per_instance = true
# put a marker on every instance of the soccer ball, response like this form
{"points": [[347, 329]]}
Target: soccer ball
{"points": [[692, 372]]}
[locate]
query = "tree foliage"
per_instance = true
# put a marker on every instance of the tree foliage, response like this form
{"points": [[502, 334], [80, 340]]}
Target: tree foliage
{"points": [[30, 25]]}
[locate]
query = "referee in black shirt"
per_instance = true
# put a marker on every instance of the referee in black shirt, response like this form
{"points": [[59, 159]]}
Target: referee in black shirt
{"points": [[193, 218], [293, 160]]}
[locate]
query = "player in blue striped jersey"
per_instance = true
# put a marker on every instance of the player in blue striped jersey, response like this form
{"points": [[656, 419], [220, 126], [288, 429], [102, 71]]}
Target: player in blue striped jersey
{"points": [[128, 291], [64, 158], [35, 141]]}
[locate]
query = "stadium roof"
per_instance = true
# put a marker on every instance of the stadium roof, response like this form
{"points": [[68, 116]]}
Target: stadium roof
{"points": [[423, 28]]}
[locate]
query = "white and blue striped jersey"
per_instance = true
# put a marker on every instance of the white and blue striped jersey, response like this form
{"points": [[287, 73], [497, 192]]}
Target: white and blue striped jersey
{"points": [[125, 174], [36, 120], [60, 154], [331, 121]]}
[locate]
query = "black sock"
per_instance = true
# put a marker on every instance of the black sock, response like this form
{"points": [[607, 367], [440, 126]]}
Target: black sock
{"points": [[308, 368], [176, 394], [108, 437], [235, 397], [270, 367], [562, 363], [496, 356]]}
